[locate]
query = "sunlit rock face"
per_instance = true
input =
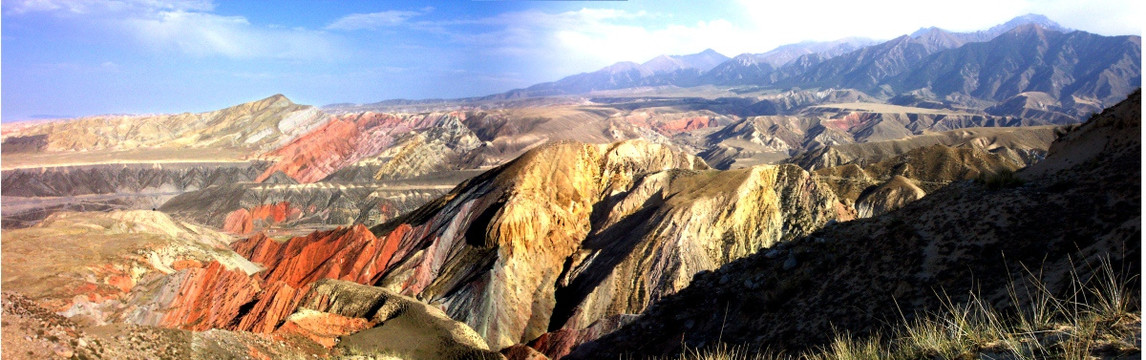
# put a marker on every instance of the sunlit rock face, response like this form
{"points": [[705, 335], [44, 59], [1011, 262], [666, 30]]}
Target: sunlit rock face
{"points": [[211, 297], [571, 233], [350, 138]]}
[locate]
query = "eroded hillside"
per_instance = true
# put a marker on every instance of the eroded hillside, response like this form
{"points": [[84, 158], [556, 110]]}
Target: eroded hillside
{"points": [[1078, 207]]}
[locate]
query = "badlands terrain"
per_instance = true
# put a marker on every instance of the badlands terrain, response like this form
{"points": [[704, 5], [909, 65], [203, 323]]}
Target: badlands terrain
{"points": [[766, 201]]}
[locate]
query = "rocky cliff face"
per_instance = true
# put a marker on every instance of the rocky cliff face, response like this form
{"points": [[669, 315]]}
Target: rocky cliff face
{"points": [[211, 296], [295, 294], [511, 229], [669, 226], [592, 231], [439, 148], [596, 232], [1079, 206], [350, 138]]}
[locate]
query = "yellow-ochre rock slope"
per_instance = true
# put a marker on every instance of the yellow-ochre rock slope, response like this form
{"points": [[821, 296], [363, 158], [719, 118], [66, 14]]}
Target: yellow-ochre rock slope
{"points": [[569, 234]]}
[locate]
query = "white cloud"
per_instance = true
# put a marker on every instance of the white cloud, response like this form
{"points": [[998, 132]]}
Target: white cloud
{"points": [[587, 39], [794, 21], [205, 34], [1106, 17], [17, 7], [374, 20], [188, 27]]}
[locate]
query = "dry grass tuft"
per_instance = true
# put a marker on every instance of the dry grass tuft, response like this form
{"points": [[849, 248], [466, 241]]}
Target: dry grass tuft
{"points": [[1099, 318]]}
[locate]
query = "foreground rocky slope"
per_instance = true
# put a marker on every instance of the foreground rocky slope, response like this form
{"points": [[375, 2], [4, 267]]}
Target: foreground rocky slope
{"points": [[593, 231], [32, 332], [609, 225], [893, 265], [97, 259], [141, 285]]}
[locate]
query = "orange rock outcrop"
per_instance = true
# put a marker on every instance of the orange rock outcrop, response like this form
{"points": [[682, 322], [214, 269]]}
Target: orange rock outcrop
{"points": [[245, 221], [210, 297], [214, 297]]}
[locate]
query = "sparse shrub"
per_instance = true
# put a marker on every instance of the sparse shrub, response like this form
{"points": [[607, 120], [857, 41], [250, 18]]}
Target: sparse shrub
{"points": [[1005, 178]]}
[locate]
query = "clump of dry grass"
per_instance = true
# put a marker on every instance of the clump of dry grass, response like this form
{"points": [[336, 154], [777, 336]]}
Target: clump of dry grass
{"points": [[1099, 317], [1005, 178]]}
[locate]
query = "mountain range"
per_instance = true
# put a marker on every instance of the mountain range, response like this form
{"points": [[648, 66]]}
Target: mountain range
{"points": [[971, 69], [785, 201]]}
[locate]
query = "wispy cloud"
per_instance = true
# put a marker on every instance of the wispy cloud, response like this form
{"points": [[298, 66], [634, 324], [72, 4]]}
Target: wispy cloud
{"points": [[17, 7], [588, 38], [205, 34], [189, 27], [375, 20]]}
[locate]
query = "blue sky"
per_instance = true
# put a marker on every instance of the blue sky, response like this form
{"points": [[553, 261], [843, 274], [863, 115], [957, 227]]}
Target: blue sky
{"points": [[65, 58]]}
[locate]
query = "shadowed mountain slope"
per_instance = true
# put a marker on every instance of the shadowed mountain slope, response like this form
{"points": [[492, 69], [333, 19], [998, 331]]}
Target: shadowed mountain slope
{"points": [[1078, 207], [1028, 143], [1084, 72]]}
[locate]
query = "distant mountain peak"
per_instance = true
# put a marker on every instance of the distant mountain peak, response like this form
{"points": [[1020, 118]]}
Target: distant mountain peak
{"points": [[703, 61], [1028, 20], [924, 30], [277, 98], [984, 35], [621, 66], [1036, 19]]}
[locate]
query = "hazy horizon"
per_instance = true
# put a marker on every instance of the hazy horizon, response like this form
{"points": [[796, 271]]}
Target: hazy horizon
{"points": [[69, 58]]}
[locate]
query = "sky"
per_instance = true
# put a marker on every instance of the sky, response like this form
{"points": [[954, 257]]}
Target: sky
{"points": [[68, 58]]}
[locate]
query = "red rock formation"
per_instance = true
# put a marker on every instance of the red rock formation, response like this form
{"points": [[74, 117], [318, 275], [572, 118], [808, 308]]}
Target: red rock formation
{"points": [[851, 120], [238, 222], [186, 264], [272, 308], [686, 124], [557, 344], [323, 328], [351, 254], [244, 221], [343, 141], [522, 352], [209, 298], [212, 297], [311, 157]]}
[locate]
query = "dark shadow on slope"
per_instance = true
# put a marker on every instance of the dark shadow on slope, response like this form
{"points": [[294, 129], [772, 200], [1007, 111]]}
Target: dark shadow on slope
{"points": [[612, 246]]}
